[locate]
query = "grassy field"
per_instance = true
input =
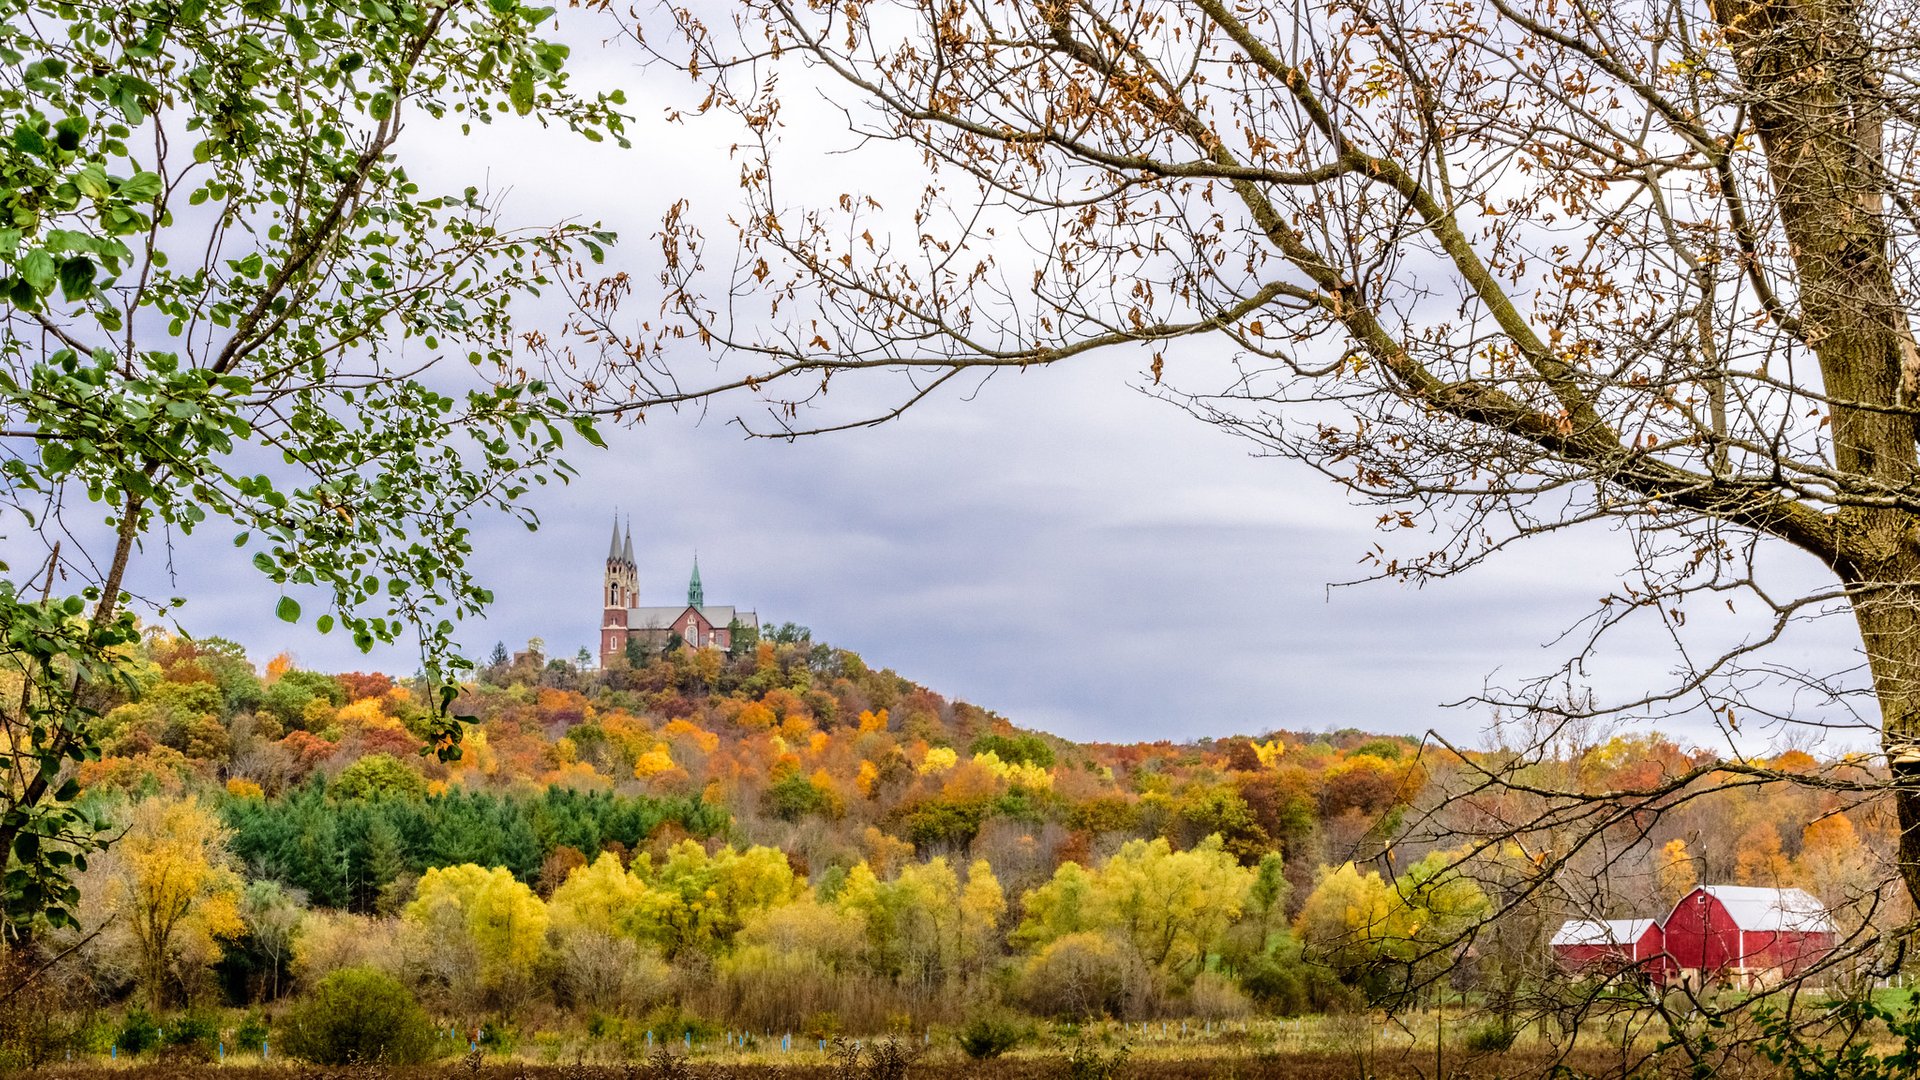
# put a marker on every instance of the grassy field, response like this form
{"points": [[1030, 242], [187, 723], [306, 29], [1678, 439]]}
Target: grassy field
{"points": [[1336, 1046], [1263, 1066]]}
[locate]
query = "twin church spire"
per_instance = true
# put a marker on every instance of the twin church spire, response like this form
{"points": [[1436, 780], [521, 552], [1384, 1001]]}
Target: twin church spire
{"points": [[630, 631], [623, 574]]}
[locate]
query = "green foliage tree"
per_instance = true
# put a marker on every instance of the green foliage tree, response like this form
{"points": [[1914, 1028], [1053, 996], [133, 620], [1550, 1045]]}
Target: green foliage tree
{"points": [[380, 776], [209, 248], [271, 914], [1019, 749]]}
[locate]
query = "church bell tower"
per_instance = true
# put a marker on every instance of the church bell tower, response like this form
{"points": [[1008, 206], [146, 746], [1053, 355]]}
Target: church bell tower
{"points": [[619, 590]]}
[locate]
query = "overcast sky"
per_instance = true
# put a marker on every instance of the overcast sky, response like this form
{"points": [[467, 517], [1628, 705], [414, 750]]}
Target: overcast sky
{"points": [[1060, 548]]}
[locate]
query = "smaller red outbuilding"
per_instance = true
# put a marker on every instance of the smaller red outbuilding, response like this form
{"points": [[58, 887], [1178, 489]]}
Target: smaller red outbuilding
{"points": [[1582, 945]]}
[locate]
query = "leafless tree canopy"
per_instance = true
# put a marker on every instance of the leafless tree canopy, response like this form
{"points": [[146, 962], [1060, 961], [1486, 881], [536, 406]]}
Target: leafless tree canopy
{"points": [[1502, 266]]}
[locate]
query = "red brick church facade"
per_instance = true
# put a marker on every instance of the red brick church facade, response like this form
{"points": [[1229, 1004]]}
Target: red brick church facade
{"points": [[623, 619]]}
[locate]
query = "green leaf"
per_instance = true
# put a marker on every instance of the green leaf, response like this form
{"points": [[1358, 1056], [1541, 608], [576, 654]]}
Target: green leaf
{"points": [[520, 93], [37, 270], [76, 277], [144, 187], [288, 609], [92, 182]]}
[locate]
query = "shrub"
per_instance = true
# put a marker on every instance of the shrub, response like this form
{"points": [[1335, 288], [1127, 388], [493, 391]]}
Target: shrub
{"points": [[1277, 985], [1493, 1037], [358, 1014], [1088, 1060], [194, 1027], [669, 1023], [499, 1036], [1214, 997], [34, 1028], [1085, 975], [138, 1032], [252, 1031], [887, 1059], [988, 1036]]}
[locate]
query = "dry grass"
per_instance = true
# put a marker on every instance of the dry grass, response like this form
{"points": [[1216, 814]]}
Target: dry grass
{"points": [[1287, 1065]]}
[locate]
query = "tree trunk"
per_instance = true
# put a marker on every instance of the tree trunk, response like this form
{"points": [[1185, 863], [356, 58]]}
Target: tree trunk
{"points": [[1889, 618], [1817, 106]]}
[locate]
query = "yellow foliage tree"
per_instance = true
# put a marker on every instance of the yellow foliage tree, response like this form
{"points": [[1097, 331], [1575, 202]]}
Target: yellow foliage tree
{"points": [[499, 919], [1345, 916], [176, 889], [1173, 906], [1833, 863], [693, 733], [696, 902], [653, 762], [1758, 859], [1674, 873], [983, 903], [1269, 753], [600, 897]]}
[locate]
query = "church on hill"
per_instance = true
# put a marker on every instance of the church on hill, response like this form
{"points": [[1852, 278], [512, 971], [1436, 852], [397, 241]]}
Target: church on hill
{"points": [[697, 623]]}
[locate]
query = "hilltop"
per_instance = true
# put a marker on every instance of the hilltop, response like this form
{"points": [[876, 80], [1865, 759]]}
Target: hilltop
{"points": [[795, 744]]}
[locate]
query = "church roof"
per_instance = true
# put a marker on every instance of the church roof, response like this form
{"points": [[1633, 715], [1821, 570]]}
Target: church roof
{"points": [[613, 549], [666, 618], [628, 554]]}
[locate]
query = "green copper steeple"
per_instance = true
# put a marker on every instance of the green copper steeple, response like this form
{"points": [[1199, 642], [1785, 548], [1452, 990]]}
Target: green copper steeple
{"points": [[696, 596]]}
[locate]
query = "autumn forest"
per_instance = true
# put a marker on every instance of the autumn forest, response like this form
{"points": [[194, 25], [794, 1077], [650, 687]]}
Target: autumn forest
{"points": [[782, 839]]}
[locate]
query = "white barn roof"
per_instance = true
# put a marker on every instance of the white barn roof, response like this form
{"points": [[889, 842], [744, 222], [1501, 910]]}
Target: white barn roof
{"points": [[1756, 908], [1600, 931]]}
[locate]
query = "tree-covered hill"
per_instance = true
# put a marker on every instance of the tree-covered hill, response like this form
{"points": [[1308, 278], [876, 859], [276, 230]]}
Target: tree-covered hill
{"points": [[785, 836]]}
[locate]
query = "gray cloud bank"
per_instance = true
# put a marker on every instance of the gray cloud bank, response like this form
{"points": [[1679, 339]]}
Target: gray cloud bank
{"points": [[1061, 548]]}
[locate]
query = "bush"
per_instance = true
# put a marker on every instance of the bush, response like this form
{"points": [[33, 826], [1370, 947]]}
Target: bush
{"points": [[1089, 1060], [1086, 975], [1493, 1037], [669, 1024], [1213, 996], [988, 1036], [1278, 986], [358, 1014], [195, 1029], [252, 1031], [138, 1032]]}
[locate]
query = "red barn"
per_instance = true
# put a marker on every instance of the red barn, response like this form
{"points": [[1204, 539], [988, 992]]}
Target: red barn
{"points": [[1752, 935], [1604, 944], [1650, 951]]}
